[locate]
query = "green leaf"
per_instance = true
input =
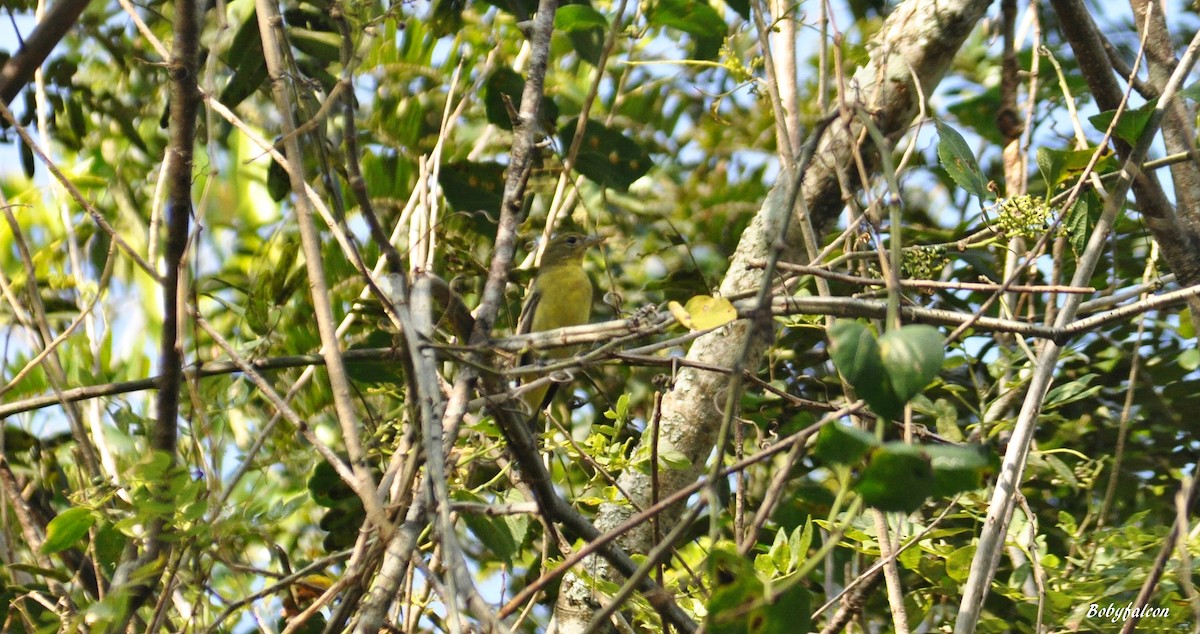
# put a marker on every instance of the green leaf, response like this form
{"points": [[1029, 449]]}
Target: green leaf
{"points": [[1191, 92], [619, 412], [673, 459], [503, 83], [49, 573], [1129, 127], [1060, 469], [388, 174], [855, 353], [789, 612], [518, 525], [325, 47], [765, 565], [1189, 359], [912, 357], [680, 285], [578, 17], [958, 469], [898, 477], [588, 44], [154, 467], [493, 532], [842, 444], [506, 83], [1060, 166], [1079, 221], [958, 563], [474, 186], [959, 162], [65, 530], [1071, 391], [736, 591], [75, 118], [258, 303], [800, 541], [910, 558], [194, 510], [706, 48], [690, 16], [245, 57], [946, 416], [741, 6], [1050, 165], [108, 544], [780, 551], [607, 156]]}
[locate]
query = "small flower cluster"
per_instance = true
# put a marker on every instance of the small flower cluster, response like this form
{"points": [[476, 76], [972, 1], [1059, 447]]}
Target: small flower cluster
{"points": [[924, 262], [1022, 217]]}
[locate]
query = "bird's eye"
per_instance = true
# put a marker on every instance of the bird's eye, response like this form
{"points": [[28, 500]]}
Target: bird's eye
{"points": [[572, 240]]}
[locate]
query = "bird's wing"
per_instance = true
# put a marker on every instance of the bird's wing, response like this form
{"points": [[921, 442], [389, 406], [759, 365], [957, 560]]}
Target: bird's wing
{"points": [[525, 321]]}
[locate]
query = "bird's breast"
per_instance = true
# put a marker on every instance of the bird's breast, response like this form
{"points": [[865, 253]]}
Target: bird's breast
{"points": [[566, 300]]}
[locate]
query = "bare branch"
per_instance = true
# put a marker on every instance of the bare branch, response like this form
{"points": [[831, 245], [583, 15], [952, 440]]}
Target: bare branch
{"points": [[270, 27], [19, 69]]}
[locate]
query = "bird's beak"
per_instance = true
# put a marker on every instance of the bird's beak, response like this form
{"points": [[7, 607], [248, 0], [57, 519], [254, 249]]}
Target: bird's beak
{"points": [[595, 240]]}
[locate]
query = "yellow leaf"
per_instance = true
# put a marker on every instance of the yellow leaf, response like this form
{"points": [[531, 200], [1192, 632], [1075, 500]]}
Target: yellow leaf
{"points": [[703, 312], [710, 312]]}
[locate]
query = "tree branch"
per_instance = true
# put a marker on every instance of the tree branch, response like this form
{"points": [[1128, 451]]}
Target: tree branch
{"points": [[20, 68], [184, 105], [914, 48], [1000, 508], [604, 331], [1180, 243], [270, 27]]}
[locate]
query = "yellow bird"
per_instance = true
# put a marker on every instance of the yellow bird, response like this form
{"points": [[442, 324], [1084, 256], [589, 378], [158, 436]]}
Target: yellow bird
{"points": [[561, 296]]}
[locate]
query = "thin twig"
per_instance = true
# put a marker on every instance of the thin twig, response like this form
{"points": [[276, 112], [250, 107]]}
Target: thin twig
{"points": [[19, 69], [603, 331], [55, 371], [1185, 502], [656, 555], [270, 26], [78, 196], [934, 284], [676, 497], [986, 558]]}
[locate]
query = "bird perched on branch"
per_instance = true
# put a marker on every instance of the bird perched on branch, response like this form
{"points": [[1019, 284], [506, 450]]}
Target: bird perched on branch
{"points": [[561, 296]]}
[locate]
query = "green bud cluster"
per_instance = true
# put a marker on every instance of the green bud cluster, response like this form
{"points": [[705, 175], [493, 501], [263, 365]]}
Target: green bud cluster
{"points": [[1022, 217], [924, 262]]}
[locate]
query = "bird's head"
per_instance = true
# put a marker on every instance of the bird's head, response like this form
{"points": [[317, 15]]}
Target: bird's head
{"points": [[568, 247]]}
